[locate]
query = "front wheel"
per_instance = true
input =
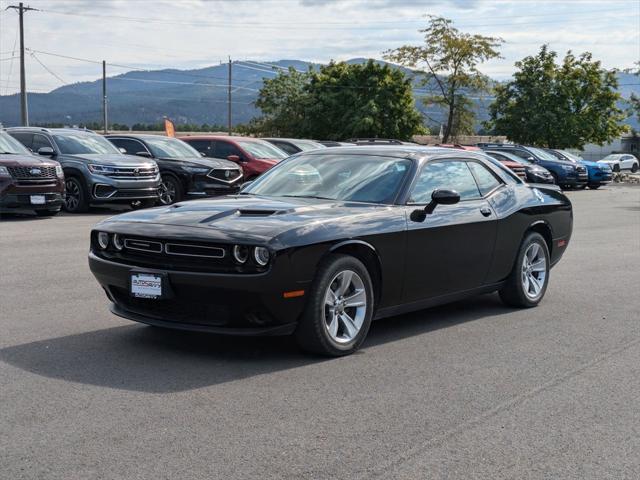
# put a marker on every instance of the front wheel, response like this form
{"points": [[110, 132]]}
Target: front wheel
{"points": [[170, 190], [76, 199], [616, 167], [339, 308], [594, 187], [527, 282]]}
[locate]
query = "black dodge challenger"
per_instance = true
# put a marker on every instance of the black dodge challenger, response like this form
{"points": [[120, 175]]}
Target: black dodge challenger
{"points": [[329, 240]]}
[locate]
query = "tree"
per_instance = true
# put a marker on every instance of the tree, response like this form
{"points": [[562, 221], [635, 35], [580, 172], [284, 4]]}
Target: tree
{"points": [[634, 100], [558, 106], [366, 100], [339, 101], [449, 59], [283, 101]]}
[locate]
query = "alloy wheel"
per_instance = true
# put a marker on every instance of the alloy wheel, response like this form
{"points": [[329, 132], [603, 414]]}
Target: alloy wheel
{"points": [[167, 192], [72, 195], [534, 271], [345, 306]]}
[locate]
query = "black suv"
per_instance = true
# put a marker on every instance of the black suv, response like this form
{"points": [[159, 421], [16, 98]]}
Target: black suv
{"points": [[565, 174], [95, 171], [184, 172]]}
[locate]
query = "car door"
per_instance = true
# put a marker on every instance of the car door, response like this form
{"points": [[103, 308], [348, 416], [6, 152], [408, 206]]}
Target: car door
{"points": [[627, 162], [450, 251]]}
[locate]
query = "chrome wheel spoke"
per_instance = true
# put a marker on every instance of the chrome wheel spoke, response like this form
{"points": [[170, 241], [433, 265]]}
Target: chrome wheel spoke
{"points": [[539, 265], [535, 284], [357, 299], [333, 326], [344, 282], [349, 326]]}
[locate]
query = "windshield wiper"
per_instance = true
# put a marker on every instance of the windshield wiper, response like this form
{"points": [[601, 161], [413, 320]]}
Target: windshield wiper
{"points": [[308, 196]]}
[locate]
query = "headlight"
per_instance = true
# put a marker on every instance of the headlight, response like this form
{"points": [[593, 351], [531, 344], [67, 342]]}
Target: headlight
{"points": [[605, 167], [59, 172], [101, 169], [103, 240], [4, 172], [261, 255], [240, 253], [196, 169], [568, 168], [117, 242]]}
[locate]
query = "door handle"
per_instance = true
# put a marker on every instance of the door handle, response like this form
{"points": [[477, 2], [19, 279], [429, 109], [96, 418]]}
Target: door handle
{"points": [[486, 211]]}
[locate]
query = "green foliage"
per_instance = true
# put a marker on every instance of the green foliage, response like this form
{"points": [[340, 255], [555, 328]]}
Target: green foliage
{"points": [[558, 106], [450, 59], [337, 102], [634, 100]]}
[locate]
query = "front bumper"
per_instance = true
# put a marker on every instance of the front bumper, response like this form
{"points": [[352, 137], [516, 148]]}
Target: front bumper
{"points": [[19, 198], [600, 177], [108, 194], [235, 304]]}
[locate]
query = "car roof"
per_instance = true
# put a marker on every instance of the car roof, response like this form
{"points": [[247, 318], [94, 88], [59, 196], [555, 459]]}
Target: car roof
{"points": [[220, 137], [400, 151], [50, 130], [140, 136]]}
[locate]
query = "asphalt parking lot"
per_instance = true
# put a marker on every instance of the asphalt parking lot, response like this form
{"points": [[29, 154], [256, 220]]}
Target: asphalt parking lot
{"points": [[469, 390]]}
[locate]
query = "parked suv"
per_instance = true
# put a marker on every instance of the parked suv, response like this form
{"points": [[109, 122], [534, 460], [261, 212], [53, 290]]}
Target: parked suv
{"points": [[183, 170], [565, 174], [621, 161], [534, 173], [28, 182], [95, 170], [599, 173], [254, 155]]}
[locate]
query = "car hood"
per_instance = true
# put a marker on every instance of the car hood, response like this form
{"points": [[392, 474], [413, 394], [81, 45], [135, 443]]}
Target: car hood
{"points": [[17, 160], [205, 162], [115, 159], [276, 221], [589, 163], [610, 160]]}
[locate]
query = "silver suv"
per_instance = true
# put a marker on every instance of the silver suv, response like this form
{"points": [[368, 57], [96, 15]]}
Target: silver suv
{"points": [[95, 170]]}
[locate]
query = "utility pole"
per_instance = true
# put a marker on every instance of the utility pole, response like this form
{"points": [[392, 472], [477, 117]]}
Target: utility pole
{"points": [[229, 99], [104, 97], [24, 113]]}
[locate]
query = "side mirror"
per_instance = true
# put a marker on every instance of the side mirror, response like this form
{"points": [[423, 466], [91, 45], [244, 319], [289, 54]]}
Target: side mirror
{"points": [[143, 154], [533, 159], [46, 151], [234, 158], [438, 197], [122, 150], [202, 154]]}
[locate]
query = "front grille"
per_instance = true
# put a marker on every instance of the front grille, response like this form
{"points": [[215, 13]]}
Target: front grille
{"points": [[131, 173], [581, 169], [32, 173], [146, 193], [193, 250], [228, 175], [143, 245]]}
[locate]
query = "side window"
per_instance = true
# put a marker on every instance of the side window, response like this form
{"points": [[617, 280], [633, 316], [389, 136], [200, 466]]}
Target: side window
{"points": [[448, 174], [203, 146], [286, 147], [485, 179], [522, 154], [40, 141], [224, 149], [131, 146], [24, 138]]}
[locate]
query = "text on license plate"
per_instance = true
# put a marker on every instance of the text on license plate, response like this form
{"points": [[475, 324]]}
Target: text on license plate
{"points": [[146, 285], [38, 200]]}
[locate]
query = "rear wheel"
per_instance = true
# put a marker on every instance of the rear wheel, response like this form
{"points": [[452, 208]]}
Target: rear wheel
{"points": [[76, 199], [594, 187], [634, 168], [170, 190], [527, 282], [339, 308]]}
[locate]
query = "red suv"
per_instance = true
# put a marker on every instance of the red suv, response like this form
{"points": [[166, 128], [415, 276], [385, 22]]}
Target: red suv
{"points": [[254, 155], [28, 182]]}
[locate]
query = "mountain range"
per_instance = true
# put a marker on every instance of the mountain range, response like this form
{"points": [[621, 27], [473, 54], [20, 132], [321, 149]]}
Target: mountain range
{"points": [[195, 96]]}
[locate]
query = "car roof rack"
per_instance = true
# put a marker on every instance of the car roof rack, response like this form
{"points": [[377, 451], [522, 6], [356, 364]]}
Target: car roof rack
{"points": [[497, 145], [384, 141]]}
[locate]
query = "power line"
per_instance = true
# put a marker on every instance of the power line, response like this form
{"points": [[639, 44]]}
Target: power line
{"points": [[33, 55]]}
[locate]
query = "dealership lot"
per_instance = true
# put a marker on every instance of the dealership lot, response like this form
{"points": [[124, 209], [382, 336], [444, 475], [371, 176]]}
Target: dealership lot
{"points": [[471, 389]]}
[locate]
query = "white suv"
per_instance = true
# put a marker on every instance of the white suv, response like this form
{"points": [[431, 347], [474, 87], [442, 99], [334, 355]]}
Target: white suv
{"points": [[621, 161]]}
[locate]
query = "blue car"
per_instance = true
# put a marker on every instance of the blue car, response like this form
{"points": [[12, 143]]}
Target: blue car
{"points": [[599, 173], [566, 174]]}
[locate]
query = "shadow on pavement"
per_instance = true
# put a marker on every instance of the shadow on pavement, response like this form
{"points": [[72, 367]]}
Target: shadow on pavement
{"points": [[147, 359]]}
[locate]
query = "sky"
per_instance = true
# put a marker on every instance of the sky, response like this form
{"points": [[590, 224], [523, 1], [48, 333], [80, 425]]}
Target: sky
{"points": [[154, 34]]}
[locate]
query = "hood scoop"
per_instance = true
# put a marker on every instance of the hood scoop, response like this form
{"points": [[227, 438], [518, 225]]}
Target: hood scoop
{"points": [[245, 212]]}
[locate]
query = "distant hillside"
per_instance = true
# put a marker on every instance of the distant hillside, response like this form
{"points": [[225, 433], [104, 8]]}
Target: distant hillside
{"points": [[186, 96]]}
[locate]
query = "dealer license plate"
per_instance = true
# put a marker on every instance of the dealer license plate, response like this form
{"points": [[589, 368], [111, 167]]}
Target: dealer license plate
{"points": [[38, 200], [146, 285]]}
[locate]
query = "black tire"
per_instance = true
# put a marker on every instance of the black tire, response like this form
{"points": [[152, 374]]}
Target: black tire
{"points": [[312, 333], [47, 213], [582, 187], [76, 198], [513, 293], [616, 168], [171, 190], [594, 187], [634, 168]]}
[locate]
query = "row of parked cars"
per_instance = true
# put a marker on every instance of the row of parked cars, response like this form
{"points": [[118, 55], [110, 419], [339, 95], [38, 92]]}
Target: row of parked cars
{"points": [[45, 170]]}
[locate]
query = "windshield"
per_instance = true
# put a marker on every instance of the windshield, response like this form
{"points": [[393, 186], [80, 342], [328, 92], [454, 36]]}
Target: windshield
{"points": [[260, 149], [79, 143], [358, 178], [541, 154], [571, 156], [171, 148], [306, 145], [8, 144]]}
